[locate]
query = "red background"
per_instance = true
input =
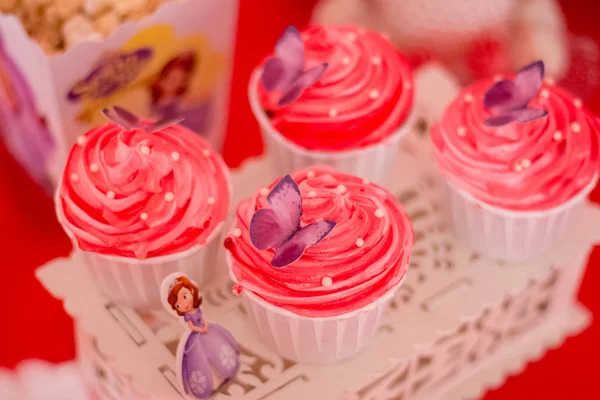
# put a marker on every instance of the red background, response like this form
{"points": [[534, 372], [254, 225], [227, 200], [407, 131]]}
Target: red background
{"points": [[35, 325]]}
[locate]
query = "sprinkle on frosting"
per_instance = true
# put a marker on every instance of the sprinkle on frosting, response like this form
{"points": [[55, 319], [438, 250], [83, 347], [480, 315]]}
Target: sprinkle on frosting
{"points": [[461, 131], [360, 276], [81, 140], [312, 194], [577, 103], [544, 93], [468, 98], [360, 242], [333, 112], [379, 213], [310, 174], [237, 232], [206, 153], [365, 181], [211, 200], [342, 189], [145, 150], [74, 177], [264, 191], [326, 281], [103, 211], [350, 84], [529, 167]]}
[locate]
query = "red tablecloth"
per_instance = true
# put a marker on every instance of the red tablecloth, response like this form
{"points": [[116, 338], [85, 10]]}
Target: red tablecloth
{"points": [[35, 325]]}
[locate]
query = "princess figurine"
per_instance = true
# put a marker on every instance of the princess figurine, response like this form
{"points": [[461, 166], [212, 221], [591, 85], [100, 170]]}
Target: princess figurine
{"points": [[207, 353]]}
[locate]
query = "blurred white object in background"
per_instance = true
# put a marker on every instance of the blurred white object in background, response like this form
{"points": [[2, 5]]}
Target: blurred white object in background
{"points": [[40, 380], [474, 38]]}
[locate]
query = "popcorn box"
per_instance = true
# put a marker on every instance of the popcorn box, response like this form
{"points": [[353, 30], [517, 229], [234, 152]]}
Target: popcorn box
{"points": [[175, 62], [459, 324]]}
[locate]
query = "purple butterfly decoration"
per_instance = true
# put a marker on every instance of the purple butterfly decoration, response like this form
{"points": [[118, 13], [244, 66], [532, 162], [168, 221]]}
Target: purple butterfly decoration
{"points": [[508, 99], [285, 72], [279, 226], [128, 121]]}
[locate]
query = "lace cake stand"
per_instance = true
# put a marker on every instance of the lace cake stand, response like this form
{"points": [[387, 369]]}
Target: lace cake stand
{"points": [[460, 324]]}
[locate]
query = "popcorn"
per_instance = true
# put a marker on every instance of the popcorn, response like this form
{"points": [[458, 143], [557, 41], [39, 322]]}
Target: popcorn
{"points": [[107, 23], [79, 29], [95, 7], [59, 24]]}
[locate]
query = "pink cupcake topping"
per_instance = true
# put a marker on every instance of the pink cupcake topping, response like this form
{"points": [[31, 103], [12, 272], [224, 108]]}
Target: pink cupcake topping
{"points": [[363, 97], [360, 259], [529, 166], [138, 194]]}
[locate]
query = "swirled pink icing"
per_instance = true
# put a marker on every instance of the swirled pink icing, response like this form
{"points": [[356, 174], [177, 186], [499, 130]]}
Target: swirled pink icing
{"points": [[529, 166], [138, 194], [363, 97], [363, 257]]}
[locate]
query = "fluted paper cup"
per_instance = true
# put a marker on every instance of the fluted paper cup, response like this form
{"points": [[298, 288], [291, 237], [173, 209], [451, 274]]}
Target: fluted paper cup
{"points": [[375, 162], [506, 234], [314, 340]]}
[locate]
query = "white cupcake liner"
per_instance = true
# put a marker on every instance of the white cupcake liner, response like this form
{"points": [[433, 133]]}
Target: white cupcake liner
{"points": [[314, 340], [375, 163], [136, 283], [508, 235]]}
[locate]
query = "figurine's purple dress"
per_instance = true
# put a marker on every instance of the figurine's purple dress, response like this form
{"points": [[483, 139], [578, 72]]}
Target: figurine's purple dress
{"points": [[204, 352]]}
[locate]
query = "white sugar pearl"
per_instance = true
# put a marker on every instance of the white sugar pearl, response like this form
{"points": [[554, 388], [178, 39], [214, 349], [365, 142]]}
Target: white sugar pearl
{"points": [[310, 174], [346, 60], [237, 232], [461, 131], [575, 127], [577, 103], [468, 98], [518, 167], [379, 213], [94, 167], [525, 163], [557, 135], [75, 178], [206, 153], [175, 156], [210, 200], [312, 193], [360, 242], [342, 189], [376, 60], [352, 36], [169, 197], [143, 216], [264, 192], [498, 78], [365, 181], [545, 93], [81, 140], [145, 150], [110, 194], [373, 94], [333, 112], [326, 281]]}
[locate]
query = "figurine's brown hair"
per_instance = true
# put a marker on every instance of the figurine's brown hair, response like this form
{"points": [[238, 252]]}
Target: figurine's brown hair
{"points": [[185, 61], [183, 282]]}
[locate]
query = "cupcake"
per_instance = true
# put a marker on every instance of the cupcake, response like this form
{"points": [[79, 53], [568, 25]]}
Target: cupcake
{"points": [[317, 257], [338, 96], [141, 202], [517, 157]]}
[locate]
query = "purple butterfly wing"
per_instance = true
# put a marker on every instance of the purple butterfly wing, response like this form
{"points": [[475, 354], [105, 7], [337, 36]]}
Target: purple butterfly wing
{"points": [[502, 96], [304, 80], [519, 115], [122, 117], [266, 230], [288, 63], [163, 124], [270, 227], [529, 114], [290, 49], [528, 81], [293, 248]]}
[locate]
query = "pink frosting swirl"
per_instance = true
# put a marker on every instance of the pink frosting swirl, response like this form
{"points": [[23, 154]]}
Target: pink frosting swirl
{"points": [[529, 166], [363, 97], [364, 256], [138, 194]]}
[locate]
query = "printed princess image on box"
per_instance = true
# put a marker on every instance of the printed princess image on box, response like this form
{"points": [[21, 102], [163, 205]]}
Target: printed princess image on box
{"points": [[207, 355], [155, 75]]}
